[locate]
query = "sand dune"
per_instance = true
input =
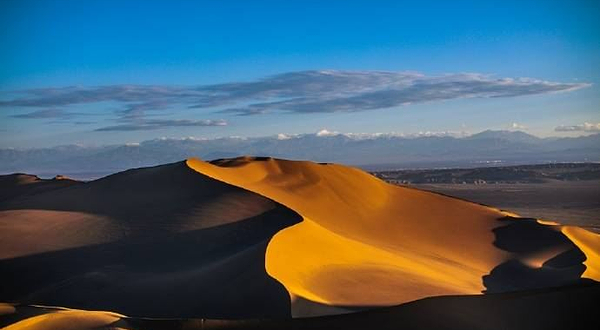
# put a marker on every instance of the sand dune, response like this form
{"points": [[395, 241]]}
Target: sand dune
{"points": [[250, 238], [23, 184], [27, 232], [358, 230], [159, 242]]}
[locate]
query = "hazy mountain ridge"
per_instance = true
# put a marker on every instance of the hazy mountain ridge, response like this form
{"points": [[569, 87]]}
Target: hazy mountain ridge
{"points": [[378, 151]]}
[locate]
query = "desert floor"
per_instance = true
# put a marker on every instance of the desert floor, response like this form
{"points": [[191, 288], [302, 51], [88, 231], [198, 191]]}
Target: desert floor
{"points": [[568, 202]]}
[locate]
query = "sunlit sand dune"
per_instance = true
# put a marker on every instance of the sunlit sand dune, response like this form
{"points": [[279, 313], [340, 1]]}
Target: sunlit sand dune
{"points": [[367, 243], [589, 243], [262, 238]]}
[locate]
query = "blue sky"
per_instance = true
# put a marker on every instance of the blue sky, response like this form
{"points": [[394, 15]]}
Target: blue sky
{"points": [[104, 72]]}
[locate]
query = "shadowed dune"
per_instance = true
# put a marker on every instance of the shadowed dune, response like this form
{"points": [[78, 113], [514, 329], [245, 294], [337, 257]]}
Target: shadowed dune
{"points": [[177, 244], [135, 203], [169, 197], [567, 307], [15, 185], [217, 272]]}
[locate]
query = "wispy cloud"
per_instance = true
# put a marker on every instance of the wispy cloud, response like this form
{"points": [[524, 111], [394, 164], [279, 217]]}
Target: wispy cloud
{"points": [[46, 113], [335, 91], [585, 127], [158, 124], [294, 92]]}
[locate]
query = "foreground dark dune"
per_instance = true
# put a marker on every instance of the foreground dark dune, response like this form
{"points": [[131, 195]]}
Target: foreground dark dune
{"points": [[567, 307], [254, 238]]}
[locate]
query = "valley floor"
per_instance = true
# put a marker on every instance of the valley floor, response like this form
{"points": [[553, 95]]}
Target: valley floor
{"points": [[567, 202]]}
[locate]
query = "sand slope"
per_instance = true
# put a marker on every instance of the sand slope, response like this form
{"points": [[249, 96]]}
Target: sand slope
{"points": [[363, 242], [14, 185], [568, 307], [157, 242]]}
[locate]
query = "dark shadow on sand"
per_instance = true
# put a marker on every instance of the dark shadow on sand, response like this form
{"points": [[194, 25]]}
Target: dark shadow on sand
{"points": [[217, 272], [526, 238], [567, 307]]}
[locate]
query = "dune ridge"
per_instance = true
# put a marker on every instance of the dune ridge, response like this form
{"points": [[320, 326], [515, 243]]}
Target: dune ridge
{"points": [[358, 230]]}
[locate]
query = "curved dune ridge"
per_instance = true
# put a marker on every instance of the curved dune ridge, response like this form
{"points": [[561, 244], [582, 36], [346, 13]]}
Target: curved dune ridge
{"points": [[363, 242]]}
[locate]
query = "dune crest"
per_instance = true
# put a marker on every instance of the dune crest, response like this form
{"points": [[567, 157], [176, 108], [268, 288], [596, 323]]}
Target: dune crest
{"points": [[589, 243], [358, 230]]}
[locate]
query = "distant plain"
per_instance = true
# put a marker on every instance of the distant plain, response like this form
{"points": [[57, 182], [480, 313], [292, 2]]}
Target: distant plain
{"points": [[565, 193]]}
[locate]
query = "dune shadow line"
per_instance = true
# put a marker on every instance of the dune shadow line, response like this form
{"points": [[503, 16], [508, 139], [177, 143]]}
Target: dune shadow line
{"points": [[526, 238]]}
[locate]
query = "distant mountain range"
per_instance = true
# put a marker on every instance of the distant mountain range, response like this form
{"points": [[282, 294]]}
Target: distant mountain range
{"points": [[370, 151]]}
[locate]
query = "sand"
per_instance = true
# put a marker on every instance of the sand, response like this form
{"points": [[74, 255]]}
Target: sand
{"points": [[567, 307], [156, 242], [66, 320], [262, 238], [589, 243], [363, 242], [28, 232], [16, 185]]}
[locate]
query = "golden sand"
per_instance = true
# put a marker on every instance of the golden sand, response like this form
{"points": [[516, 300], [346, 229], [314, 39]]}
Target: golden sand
{"points": [[589, 244], [359, 230], [66, 320]]}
